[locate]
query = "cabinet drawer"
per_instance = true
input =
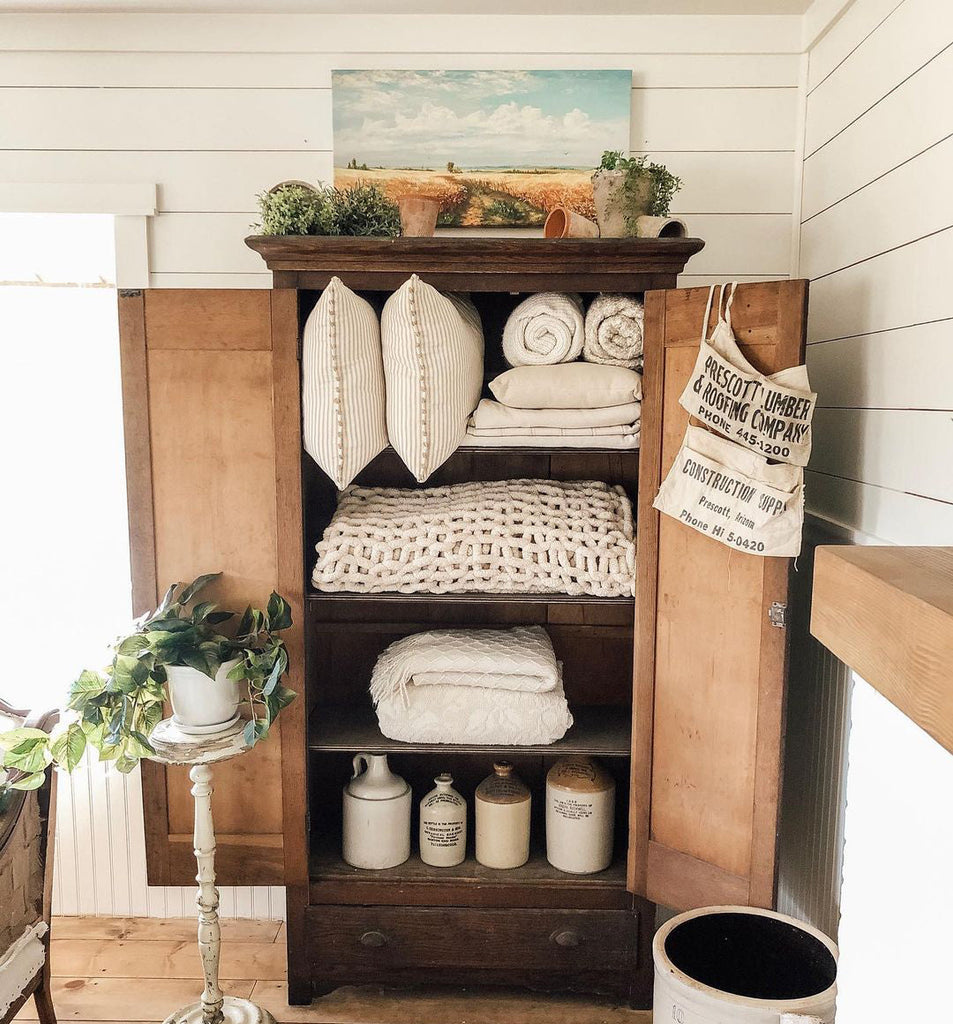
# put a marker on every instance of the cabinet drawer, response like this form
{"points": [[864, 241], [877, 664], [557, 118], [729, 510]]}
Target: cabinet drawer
{"points": [[390, 937]]}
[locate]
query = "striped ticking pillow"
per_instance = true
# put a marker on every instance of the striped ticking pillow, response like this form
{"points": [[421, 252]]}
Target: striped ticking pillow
{"points": [[343, 384], [433, 364]]}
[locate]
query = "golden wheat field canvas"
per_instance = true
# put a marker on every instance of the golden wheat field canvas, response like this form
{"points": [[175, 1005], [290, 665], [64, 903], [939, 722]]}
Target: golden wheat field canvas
{"points": [[497, 148]]}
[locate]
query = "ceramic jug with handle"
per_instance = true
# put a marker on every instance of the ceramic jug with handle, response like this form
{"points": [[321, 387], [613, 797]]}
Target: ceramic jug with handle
{"points": [[376, 815]]}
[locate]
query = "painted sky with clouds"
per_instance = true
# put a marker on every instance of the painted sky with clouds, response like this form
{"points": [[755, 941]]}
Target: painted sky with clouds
{"points": [[479, 118]]}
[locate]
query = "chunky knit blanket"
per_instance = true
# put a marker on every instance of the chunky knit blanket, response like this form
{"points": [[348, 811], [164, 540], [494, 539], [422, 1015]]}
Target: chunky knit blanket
{"points": [[501, 686], [509, 536], [544, 329], [614, 331]]}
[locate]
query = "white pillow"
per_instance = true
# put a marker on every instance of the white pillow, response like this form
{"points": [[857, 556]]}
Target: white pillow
{"points": [[567, 386], [342, 384], [433, 365]]}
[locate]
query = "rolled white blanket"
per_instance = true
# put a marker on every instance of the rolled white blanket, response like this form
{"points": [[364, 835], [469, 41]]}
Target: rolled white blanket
{"points": [[500, 686], [544, 329], [614, 331]]}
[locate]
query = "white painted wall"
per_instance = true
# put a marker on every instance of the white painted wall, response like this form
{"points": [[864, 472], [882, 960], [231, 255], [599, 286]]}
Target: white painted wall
{"points": [[214, 109], [877, 240]]}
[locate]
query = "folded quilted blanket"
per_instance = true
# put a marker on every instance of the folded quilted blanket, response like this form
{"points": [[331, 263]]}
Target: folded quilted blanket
{"points": [[614, 331], [471, 686], [543, 329], [495, 414], [508, 536]]}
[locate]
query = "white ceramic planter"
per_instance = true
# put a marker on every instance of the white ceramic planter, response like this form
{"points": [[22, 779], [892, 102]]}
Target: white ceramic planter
{"points": [[201, 705], [717, 951]]}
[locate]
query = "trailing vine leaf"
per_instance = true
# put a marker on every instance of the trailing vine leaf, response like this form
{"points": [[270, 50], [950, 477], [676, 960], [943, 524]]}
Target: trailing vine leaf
{"points": [[116, 710], [33, 781]]}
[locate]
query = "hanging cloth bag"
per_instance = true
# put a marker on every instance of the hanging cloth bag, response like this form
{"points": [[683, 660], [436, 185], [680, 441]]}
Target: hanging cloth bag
{"points": [[770, 415], [734, 495]]}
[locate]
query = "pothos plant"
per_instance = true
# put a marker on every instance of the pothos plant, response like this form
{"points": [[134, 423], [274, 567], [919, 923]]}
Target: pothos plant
{"points": [[115, 710], [648, 188]]}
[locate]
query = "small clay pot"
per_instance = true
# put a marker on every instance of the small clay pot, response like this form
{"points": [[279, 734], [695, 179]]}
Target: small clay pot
{"points": [[418, 215], [661, 227], [565, 223]]}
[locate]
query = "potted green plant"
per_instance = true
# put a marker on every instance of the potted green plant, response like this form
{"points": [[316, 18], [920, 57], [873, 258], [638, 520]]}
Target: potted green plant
{"points": [[297, 208], [627, 188], [176, 651]]}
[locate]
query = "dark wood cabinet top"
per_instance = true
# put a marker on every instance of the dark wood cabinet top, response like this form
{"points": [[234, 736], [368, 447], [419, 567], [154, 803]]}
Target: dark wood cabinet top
{"points": [[477, 262]]}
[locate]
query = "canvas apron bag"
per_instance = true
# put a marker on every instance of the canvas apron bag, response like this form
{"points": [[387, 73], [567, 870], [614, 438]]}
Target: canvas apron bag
{"points": [[770, 415], [734, 495]]}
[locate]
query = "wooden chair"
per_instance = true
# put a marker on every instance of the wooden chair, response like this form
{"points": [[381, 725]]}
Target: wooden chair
{"points": [[26, 884]]}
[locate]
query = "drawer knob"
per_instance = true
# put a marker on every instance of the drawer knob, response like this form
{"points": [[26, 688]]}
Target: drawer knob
{"points": [[373, 939], [567, 938]]}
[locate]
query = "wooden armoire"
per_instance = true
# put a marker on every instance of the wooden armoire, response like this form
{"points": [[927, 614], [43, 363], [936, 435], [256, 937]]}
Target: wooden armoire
{"points": [[680, 693]]}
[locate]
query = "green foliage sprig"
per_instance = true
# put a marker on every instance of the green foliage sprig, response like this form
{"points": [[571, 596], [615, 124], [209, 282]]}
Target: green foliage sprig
{"points": [[117, 709], [663, 185], [361, 209]]}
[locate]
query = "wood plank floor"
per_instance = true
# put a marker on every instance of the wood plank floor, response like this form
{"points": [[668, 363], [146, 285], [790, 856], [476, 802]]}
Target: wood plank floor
{"points": [[138, 970]]}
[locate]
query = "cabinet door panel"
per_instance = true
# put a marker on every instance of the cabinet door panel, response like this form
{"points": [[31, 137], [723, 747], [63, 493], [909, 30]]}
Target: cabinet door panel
{"points": [[199, 394], [710, 667]]}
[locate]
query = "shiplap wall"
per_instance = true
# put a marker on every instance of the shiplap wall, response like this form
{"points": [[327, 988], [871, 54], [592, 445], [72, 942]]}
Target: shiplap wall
{"points": [[214, 109], [877, 240]]}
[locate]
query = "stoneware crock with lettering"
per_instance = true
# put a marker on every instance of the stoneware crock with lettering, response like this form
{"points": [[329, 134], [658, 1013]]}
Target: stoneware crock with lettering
{"points": [[580, 815], [443, 825], [743, 965], [502, 819]]}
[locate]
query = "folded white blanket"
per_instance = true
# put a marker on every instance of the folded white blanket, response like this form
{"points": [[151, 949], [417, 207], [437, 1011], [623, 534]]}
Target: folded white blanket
{"points": [[471, 686], [614, 331], [544, 329], [616, 431], [491, 414], [614, 441]]}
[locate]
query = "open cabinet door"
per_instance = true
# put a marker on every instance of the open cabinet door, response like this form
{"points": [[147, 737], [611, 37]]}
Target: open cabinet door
{"points": [[710, 656], [210, 403]]}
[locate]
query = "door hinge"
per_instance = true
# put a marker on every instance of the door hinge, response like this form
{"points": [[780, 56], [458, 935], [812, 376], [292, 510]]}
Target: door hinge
{"points": [[778, 614], [130, 293]]}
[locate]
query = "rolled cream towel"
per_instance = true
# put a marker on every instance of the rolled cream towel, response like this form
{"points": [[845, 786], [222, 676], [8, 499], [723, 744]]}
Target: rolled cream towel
{"points": [[614, 331], [544, 329]]}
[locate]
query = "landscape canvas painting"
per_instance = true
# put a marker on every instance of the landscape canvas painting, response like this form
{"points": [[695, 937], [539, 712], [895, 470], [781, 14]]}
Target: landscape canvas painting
{"points": [[497, 148]]}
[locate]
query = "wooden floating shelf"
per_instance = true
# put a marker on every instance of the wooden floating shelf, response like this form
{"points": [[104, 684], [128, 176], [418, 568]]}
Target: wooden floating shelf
{"points": [[603, 731], [476, 262], [887, 612]]}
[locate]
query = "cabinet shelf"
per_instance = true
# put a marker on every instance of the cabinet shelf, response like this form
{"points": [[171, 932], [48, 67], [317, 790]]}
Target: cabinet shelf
{"points": [[316, 597], [603, 731]]}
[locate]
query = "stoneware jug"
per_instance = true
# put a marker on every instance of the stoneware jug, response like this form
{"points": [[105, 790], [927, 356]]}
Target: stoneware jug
{"points": [[376, 815], [502, 819], [443, 825], [580, 815]]}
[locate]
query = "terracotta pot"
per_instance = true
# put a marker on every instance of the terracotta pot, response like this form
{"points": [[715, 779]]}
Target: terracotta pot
{"points": [[661, 227], [563, 223], [616, 212], [418, 215], [201, 705]]}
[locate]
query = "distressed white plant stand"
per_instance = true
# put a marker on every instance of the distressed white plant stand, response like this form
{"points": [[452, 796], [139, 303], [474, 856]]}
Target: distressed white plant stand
{"points": [[175, 747]]}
